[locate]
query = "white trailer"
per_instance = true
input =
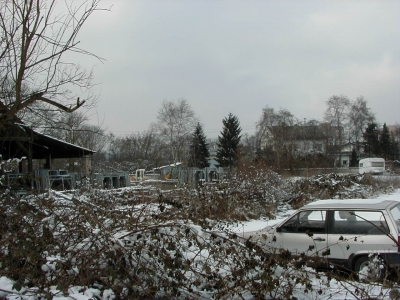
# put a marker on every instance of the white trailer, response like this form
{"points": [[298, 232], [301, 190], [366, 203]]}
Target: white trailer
{"points": [[373, 165]]}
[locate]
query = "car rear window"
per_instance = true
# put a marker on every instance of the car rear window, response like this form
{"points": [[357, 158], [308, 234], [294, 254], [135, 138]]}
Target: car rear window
{"points": [[359, 223]]}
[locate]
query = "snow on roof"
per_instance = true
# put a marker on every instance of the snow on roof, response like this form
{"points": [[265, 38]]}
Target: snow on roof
{"points": [[61, 141], [171, 165], [24, 127], [351, 204]]}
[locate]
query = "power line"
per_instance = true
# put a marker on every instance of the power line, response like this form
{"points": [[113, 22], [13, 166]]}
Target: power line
{"points": [[209, 131]]}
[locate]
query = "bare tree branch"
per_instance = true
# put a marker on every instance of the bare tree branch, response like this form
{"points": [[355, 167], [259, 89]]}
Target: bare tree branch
{"points": [[36, 36]]}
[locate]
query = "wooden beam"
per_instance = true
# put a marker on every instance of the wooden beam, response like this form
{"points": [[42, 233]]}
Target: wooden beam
{"points": [[11, 139]]}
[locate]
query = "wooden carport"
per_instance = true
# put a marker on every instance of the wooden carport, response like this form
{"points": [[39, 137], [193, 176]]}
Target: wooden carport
{"points": [[18, 140]]}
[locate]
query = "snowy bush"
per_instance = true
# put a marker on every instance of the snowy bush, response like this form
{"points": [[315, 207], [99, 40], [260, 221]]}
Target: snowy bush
{"points": [[133, 250], [121, 244], [331, 186]]}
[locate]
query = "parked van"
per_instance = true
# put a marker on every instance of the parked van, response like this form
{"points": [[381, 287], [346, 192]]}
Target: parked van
{"points": [[373, 165]]}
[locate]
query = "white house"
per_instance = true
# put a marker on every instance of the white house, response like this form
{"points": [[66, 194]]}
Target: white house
{"points": [[302, 139]]}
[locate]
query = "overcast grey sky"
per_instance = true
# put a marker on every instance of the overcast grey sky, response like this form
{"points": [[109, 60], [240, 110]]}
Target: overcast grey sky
{"points": [[239, 56]]}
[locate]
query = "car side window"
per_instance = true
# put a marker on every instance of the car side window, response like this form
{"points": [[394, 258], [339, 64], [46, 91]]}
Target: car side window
{"points": [[291, 224], [359, 222], [312, 221]]}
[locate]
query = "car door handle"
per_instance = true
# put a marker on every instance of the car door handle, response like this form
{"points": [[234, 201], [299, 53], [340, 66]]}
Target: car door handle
{"points": [[319, 239]]}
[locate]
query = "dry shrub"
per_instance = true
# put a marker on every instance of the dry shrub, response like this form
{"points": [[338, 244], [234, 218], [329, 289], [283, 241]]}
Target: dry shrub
{"points": [[331, 186], [127, 245], [367, 179], [140, 250]]}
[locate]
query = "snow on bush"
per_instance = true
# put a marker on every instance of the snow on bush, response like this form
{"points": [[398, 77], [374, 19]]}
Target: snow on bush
{"points": [[343, 186], [120, 244]]}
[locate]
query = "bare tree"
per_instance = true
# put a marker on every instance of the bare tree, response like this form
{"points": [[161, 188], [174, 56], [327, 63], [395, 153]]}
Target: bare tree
{"points": [[249, 147], [274, 132], [93, 137], [75, 128], [35, 38], [336, 117], [114, 148], [68, 128], [144, 148], [176, 122], [359, 117]]}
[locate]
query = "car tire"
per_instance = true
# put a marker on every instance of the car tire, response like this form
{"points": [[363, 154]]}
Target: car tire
{"points": [[369, 271]]}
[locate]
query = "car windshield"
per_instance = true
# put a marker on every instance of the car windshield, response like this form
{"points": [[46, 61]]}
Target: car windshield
{"points": [[395, 211]]}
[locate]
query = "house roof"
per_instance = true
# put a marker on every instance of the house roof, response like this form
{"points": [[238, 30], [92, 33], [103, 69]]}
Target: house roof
{"points": [[299, 132], [16, 138]]}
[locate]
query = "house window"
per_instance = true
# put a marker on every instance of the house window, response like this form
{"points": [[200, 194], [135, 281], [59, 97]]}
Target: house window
{"points": [[345, 162]]}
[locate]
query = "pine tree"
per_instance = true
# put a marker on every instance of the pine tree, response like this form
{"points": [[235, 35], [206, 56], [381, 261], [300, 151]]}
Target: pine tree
{"points": [[199, 152], [385, 142], [354, 158], [394, 149], [228, 142], [372, 147]]}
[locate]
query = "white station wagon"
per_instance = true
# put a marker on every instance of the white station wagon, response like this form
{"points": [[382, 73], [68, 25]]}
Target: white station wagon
{"points": [[344, 231]]}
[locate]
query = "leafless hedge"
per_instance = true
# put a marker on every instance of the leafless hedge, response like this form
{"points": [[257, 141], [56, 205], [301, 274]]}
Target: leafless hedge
{"points": [[118, 245]]}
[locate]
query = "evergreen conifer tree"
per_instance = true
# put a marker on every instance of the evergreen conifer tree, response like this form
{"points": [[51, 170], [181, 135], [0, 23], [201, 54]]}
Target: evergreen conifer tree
{"points": [[199, 152], [228, 142], [354, 158], [372, 147], [394, 149], [385, 142]]}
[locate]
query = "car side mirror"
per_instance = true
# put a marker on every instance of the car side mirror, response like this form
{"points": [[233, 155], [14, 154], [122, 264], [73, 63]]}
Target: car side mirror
{"points": [[278, 229]]}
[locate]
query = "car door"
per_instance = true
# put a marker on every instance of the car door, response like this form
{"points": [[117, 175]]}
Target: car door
{"points": [[305, 232], [358, 232]]}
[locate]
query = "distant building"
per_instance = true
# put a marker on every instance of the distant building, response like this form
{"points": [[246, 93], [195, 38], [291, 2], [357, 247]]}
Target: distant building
{"points": [[301, 138], [345, 153]]}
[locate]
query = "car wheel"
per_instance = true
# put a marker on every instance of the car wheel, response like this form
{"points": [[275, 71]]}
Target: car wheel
{"points": [[370, 268]]}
